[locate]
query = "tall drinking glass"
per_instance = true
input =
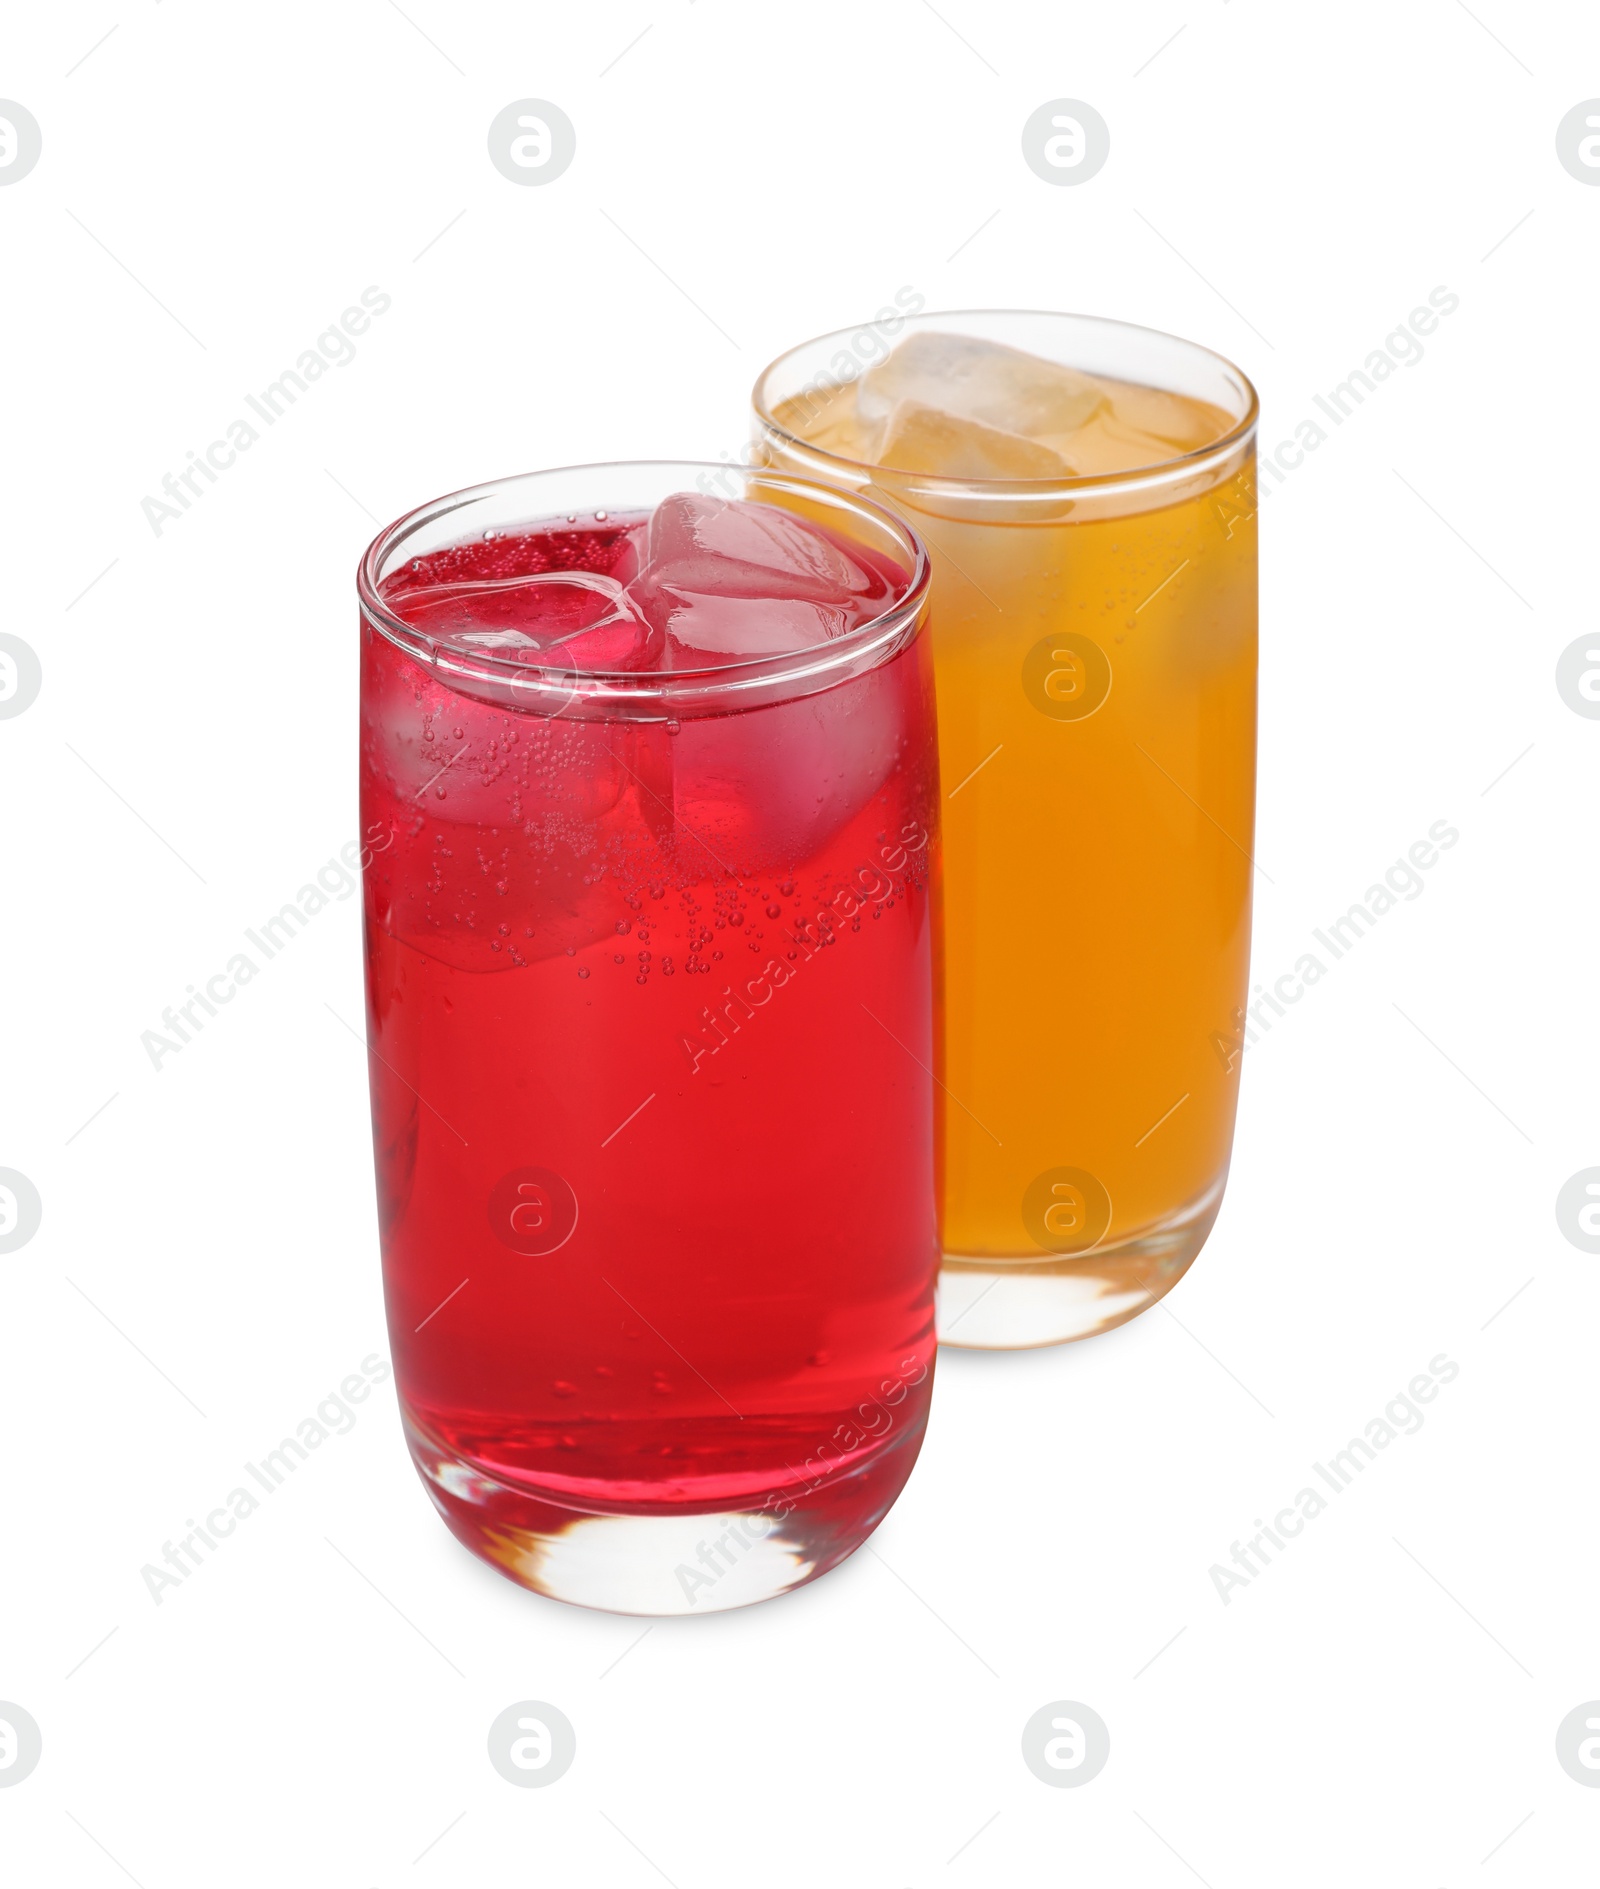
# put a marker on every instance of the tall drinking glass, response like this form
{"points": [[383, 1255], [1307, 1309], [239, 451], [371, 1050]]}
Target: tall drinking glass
{"points": [[648, 767], [1086, 491]]}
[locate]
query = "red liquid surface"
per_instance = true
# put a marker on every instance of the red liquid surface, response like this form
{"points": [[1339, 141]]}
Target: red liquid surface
{"points": [[650, 1019]]}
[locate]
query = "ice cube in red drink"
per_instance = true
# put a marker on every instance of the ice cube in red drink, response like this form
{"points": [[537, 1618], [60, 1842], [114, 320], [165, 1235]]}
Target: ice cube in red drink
{"points": [[707, 560]]}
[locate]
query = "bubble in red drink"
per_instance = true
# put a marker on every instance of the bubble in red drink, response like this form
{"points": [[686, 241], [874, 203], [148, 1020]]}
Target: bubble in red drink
{"points": [[651, 794]]}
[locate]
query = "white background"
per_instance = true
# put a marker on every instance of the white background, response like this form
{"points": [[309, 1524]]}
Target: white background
{"points": [[1285, 183]]}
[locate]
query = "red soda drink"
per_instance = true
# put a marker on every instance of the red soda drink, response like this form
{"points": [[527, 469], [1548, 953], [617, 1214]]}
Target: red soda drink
{"points": [[650, 964]]}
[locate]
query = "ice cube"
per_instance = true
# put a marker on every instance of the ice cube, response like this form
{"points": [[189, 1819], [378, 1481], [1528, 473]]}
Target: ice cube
{"points": [[736, 548], [497, 642], [978, 380], [621, 637], [1182, 424], [767, 789], [491, 817], [1107, 444], [581, 619], [1140, 426], [917, 438], [703, 631], [729, 579]]}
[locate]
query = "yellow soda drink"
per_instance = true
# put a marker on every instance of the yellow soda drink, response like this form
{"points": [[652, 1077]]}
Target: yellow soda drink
{"points": [[1086, 493]]}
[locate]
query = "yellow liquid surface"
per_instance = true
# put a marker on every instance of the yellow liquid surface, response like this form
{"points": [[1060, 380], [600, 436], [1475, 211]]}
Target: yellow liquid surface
{"points": [[1097, 731]]}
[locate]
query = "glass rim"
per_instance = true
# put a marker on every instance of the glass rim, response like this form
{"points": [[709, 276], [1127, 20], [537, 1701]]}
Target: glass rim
{"points": [[858, 649], [1135, 479]]}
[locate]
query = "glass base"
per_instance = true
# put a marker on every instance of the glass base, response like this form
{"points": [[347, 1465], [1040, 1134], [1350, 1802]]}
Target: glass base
{"points": [[1014, 1304], [663, 1561]]}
